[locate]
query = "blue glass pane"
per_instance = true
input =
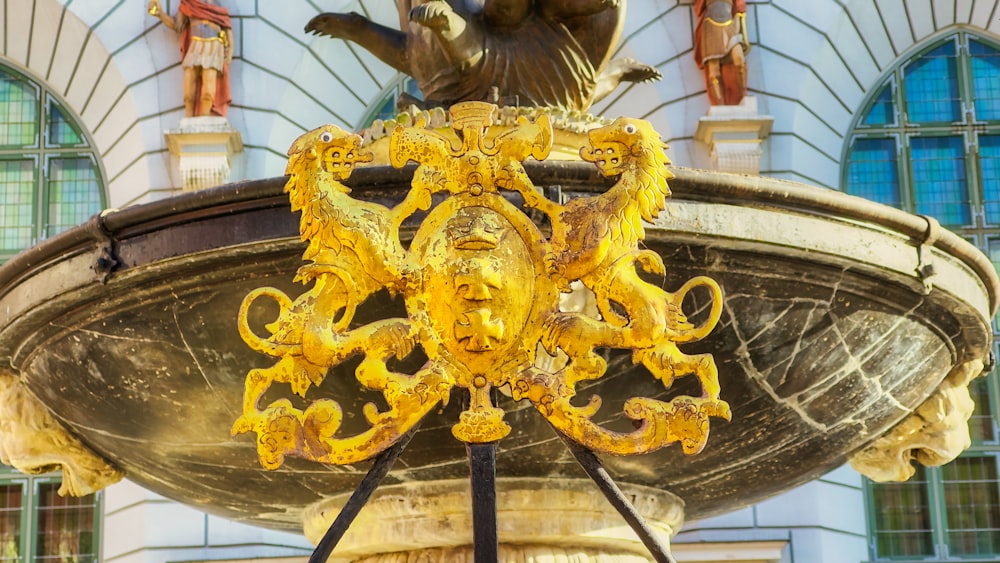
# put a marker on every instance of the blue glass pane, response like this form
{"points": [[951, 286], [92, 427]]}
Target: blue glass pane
{"points": [[410, 87], [931, 84], [882, 111], [61, 130], [871, 171], [387, 110], [939, 182], [989, 169], [985, 81]]}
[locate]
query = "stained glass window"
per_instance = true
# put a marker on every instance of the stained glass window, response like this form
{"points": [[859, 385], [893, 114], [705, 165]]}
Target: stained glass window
{"points": [[11, 521], [939, 182], [873, 172], [37, 525], [18, 111], [989, 172], [928, 141], [916, 146], [50, 179], [71, 196], [61, 130], [883, 110], [985, 80], [931, 84], [386, 107], [902, 520], [17, 203], [982, 425], [65, 530], [972, 505]]}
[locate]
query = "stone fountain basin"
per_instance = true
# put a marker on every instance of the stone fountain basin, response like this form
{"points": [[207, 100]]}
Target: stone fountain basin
{"points": [[125, 328]]}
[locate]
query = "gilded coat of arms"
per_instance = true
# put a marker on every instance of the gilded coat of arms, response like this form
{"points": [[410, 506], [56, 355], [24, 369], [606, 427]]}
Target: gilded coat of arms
{"points": [[481, 285]]}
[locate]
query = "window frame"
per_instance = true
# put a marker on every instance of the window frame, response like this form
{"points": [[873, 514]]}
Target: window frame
{"points": [[42, 151], [970, 127], [937, 516], [31, 501]]}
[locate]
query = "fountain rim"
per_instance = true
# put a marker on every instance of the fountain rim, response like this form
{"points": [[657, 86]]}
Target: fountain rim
{"points": [[688, 184]]}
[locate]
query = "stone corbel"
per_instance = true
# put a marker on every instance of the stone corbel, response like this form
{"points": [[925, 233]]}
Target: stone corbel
{"points": [[936, 433], [205, 148], [734, 135], [33, 442]]}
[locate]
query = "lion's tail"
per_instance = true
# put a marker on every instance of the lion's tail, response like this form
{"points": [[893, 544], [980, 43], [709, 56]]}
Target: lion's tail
{"points": [[253, 340], [702, 330]]}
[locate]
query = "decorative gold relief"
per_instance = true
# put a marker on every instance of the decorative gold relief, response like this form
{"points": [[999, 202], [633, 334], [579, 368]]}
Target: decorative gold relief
{"points": [[481, 286]]}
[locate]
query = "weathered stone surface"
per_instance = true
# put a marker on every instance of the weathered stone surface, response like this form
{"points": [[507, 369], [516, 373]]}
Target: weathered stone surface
{"points": [[432, 519], [827, 341]]}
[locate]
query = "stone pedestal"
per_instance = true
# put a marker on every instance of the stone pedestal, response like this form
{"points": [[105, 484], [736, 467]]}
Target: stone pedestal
{"points": [[734, 135], [537, 519], [204, 147]]}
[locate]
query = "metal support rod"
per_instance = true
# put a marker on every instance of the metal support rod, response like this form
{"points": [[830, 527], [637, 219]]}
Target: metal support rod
{"points": [[596, 471], [383, 463], [483, 474]]}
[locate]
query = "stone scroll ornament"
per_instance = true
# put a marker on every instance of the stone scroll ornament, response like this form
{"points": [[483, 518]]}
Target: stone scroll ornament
{"points": [[481, 285]]}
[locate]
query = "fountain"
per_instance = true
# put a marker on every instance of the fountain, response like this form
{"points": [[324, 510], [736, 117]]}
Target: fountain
{"points": [[838, 320]]}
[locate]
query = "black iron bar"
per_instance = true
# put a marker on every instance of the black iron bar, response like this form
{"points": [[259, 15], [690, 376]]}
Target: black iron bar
{"points": [[383, 463], [614, 494], [483, 474]]}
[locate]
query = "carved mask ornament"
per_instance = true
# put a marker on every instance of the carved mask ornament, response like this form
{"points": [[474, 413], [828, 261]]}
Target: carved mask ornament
{"points": [[481, 285]]}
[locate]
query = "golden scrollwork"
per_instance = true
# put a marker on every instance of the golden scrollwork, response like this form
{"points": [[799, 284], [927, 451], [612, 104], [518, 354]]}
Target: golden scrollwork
{"points": [[481, 285]]}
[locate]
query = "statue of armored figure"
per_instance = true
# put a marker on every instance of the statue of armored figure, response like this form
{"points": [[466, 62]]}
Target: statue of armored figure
{"points": [[720, 47], [206, 50], [552, 53]]}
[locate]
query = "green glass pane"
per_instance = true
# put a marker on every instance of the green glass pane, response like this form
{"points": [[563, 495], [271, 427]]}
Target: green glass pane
{"points": [[989, 170], [18, 112], [939, 179], [902, 525], [62, 132], [985, 81], [872, 171], [65, 527], [883, 110], [11, 505], [17, 204], [931, 84], [981, 426], [74, 193], [972, 506]]}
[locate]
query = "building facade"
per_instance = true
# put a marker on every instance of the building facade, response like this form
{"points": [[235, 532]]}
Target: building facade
{"points": [[894, 100]]}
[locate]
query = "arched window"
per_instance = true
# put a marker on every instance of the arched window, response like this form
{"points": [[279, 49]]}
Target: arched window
{"points": [[385, 107], [49, 176], [928, 142], [929, 139]]}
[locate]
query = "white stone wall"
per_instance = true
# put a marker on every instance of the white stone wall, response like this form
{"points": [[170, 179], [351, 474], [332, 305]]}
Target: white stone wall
{"points": [[143, 527], [119, 70], [822, 522]]}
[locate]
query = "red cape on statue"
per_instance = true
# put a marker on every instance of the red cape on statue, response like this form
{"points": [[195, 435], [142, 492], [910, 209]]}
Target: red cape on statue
{"points": [[198, 10]]}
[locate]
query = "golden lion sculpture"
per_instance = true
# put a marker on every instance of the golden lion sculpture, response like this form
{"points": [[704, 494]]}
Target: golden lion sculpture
{"points": [[596, 240]]}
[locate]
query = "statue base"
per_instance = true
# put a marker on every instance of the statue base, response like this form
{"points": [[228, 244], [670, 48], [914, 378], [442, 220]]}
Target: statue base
{"points": [[205, 148], [536, 518], [734, 134]]}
